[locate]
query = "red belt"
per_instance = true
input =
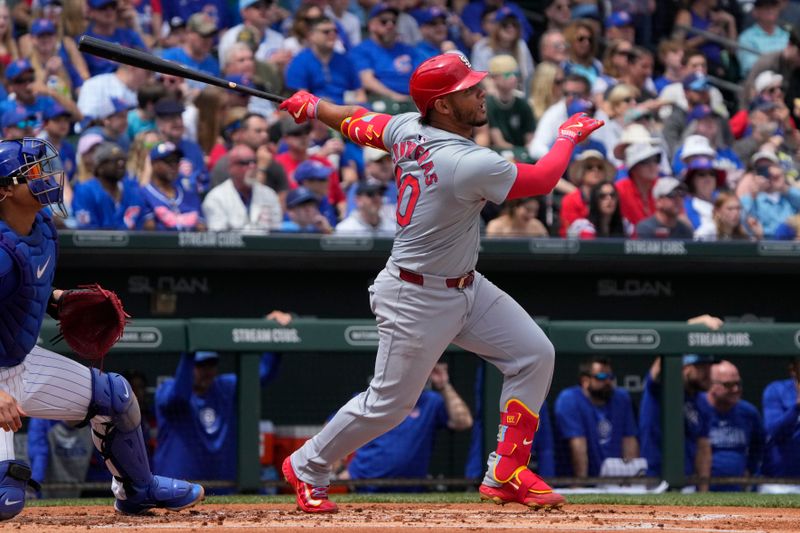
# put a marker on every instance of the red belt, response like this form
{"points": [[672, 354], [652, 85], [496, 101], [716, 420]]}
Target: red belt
{"points": [[452, 283]]}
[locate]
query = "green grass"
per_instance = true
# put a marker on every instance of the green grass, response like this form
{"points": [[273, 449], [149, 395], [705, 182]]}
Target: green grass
{"points": [[687, 500]]}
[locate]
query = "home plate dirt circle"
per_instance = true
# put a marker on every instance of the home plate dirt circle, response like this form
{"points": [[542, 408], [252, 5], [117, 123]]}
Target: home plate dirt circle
{"points": [[370, 517]]}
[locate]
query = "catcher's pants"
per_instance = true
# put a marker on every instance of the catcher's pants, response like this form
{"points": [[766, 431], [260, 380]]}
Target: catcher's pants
{"points": [[46, 385], [416, 323]]}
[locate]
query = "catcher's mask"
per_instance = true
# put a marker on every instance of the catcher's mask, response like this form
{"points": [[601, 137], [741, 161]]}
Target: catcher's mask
{"points": [[36, 163]]}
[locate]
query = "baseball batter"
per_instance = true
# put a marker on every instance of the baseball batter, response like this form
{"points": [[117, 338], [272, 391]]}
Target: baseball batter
{"points": [[42, 384], [429, 294]]}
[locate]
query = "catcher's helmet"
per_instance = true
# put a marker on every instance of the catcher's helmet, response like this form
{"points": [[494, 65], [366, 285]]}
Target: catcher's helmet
{"points": [[441, 75], [34, 162]]}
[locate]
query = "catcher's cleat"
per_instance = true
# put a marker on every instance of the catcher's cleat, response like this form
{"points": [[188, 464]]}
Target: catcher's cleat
{"points": [[309, 499], [526, 488], [162, 493]]}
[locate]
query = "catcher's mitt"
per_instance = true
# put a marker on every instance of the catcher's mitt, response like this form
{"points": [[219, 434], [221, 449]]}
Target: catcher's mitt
{"points": [[91, 319]]}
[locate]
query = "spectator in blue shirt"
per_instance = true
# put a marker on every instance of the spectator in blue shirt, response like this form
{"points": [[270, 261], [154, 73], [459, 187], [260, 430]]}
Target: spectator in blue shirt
{"points": [[781, 404], [433, 28], [314, 176], [321, 70], [107, 201], [473, 12], [697, 449], [405, 451], [383, 63], [16, 123], [105, 24], [217, 10], [594, 421], [764, 36], [56, 128], [736, 430], [776, 202], [196, 417], [169, 123], [302, 207], [33, 97], [196, 49], [112, 123]]}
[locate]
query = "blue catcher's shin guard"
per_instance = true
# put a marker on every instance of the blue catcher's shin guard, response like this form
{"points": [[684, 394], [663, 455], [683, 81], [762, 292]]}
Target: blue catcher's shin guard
{"points": [[117, 433], [15, 476]]}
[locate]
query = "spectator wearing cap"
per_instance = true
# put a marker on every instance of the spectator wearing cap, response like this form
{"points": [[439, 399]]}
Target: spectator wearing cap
{"points": [[696, 90], [704, 122], [768, 88], [107, 201], [87, 145], [217, 10], [242, 203], [314, 176], [504, 38], [693, 63], [781, 405], [113, 123], [369, 218], [473, 13], [583, 46], [377, 167], [257, 16], [123, 84], [703, 180], [433, 27], [195, 53], [702, 15], [17, 122], [167, 205], [636, 191], [588, 170], [769, 124], [384, 64], [763, 36], [196, 416], [169, 123], [35, 98], [697, 447], [736, 431], [53, 63], [636, 133], [776, 200], [105, 23], [173, 32], [785, 62], [511, 122], [57, 123], [665, 223], [303, 216], [321, 70], [576, 89], [619, 26]]}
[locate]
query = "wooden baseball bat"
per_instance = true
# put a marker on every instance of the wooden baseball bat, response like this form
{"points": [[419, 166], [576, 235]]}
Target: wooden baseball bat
{"points": [[137, 58]]}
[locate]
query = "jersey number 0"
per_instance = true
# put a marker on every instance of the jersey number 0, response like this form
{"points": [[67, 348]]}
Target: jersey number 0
{"points": [[407, 181]]}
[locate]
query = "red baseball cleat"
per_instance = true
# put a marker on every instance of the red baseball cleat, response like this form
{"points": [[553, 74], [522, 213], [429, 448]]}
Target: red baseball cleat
{"points": [[526, 488], [309, 499]]}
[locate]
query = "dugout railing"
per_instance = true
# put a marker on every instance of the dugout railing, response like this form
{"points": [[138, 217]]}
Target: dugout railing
{"points": [[248, 338]]}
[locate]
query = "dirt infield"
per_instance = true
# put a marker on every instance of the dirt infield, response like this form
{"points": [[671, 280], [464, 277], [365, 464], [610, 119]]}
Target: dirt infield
{"points": [[434, 517]]}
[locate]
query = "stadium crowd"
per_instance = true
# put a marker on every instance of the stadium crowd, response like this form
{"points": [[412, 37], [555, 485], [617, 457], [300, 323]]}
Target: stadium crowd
{"points": [[701, 100]]}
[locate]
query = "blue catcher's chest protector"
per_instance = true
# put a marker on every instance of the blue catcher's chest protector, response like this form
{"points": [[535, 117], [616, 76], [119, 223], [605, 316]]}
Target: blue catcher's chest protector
{"points": [[22, 311]]}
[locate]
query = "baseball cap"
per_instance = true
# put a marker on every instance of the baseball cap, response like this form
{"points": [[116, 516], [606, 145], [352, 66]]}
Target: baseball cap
{"points": [[503, 64], [311, 170], [638, 152], [697, 359], [576, 167], [380, 9], [763, 154], [767, 79], [244, 4], [203, 356], [695, 145], [373, 154], [17, 115], [761, 104], [586, 11], [426, 16], [370, 186], [618, 19], [87, 142], [699, 112], [163, 150], [108, 151], [504, 13], [666, 186], [17, 68], [115, 105], [700, 164], [97, 4], [176, 22], [203, 24], [43, 27], [299, 196], [56, 110], [696, 82], [168, 107], [580, 105], [632, 134]]}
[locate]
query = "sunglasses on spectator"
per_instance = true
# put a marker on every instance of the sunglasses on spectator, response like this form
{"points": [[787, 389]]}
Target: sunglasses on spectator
{"points": [[106, 7], [584, 38], [23, 124], [558, 81], [573, 94], [652, 160], [172, 161], [604, 195], [594, 166], [773, 90], [23, 81], [603, 376], [730, 385], [626, 53], [244, 162], [326, 31], [507, 75], [510, 23], [387, 20], [372, 194]]}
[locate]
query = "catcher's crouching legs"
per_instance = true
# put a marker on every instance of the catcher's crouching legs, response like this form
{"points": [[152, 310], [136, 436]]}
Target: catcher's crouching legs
{"points": [[117, 433], [14, 479]]}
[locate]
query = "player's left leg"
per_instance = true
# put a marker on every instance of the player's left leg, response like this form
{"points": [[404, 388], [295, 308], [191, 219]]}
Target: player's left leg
{"points": [[56, 387], [503, 333]]}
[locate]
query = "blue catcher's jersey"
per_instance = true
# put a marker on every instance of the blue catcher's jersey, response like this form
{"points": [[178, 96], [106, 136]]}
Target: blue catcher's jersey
{"points": [[27, 268]]}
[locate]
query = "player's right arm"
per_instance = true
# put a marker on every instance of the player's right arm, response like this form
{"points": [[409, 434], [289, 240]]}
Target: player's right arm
{"points": [[174, 395], [357, 123]]}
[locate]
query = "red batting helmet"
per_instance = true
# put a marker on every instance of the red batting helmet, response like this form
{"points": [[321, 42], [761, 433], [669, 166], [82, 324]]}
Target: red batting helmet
{"points": [[441, 75]]}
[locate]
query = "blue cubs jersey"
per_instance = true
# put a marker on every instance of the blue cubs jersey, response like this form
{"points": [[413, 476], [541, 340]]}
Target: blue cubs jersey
{"points": [[94, 208], [391, 66], [405, 451], [27, 268], [782, 421], [695, 427], [329, 81], [603, 427], [737, 440], [182, 213]]}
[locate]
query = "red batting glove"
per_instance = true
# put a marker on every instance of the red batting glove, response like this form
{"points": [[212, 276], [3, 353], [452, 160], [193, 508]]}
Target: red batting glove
{"points": [[578, 127], [302, 105]]}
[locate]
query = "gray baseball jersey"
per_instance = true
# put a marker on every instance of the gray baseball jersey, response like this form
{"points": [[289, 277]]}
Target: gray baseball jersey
{"points": [[444, 180]]}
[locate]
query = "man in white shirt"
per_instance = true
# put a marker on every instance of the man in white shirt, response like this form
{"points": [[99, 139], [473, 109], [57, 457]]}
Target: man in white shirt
{"points": [[122, 84], [576, 87], [257, 17]]}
